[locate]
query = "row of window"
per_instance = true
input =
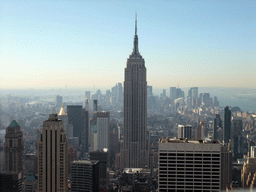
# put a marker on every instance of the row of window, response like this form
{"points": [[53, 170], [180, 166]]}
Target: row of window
{"points": [[190, 154]]}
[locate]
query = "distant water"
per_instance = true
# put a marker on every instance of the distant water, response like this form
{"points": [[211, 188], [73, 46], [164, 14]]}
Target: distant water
{"points": [[241, 97], [245, 98]]}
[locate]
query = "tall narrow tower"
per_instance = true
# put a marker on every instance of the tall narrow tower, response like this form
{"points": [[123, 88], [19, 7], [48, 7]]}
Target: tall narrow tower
{"points": [[134, 152], [52, 156], [13, 149]]}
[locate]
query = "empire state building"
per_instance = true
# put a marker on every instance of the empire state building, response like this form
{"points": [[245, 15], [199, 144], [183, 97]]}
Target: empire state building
{"points": [[134, 151]]}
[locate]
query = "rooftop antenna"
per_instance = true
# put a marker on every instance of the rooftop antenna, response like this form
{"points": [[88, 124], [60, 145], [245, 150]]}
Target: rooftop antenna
{"points": [[135, 23]]}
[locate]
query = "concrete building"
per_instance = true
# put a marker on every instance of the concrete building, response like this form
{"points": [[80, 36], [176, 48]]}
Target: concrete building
{"points": [[173, 94], [58, 101], [135, 147], [185, 131], [29, 185], [88, 95], [149, 90], [52, 156], [85, 176], [68, 128], [201, 131], [13, 149], [248, 173], [190, 165], [102, 130]]}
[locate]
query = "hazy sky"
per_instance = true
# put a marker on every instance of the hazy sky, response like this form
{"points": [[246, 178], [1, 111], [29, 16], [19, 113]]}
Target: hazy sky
{"points": [[81, 43]]}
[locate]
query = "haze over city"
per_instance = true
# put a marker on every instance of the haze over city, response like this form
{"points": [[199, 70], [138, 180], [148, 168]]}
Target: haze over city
{"points": [[77, 44]]}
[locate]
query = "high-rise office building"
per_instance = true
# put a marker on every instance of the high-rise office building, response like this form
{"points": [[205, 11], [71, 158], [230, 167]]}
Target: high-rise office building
{"points": [[62, 115], [103, 160], [119, 93], [206, 99], [52, 156], [10, 182], [79, 118], [164, 93], [134, 151], [102, 130], [216, 103], [58, 101], [86, 131], [227, 125], [173, 94], [195, 92], [149, 91], [13, 149], [88, 95], [217, 123], [85, 176], [238, 139], [190, 165], [75, 117], [201, 131], [193, 96], [179, 93], [185, 131], [95, 105]]}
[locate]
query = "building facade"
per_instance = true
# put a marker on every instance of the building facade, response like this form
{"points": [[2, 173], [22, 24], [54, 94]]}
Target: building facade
{"points": [[134, 152], [102, 130], [227, 125], [185, 131], [13, 149], [52, 156], [190, 165], [85, 176]]}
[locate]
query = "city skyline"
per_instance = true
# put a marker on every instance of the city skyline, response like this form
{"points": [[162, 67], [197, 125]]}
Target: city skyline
{"points": [[80, 44]]}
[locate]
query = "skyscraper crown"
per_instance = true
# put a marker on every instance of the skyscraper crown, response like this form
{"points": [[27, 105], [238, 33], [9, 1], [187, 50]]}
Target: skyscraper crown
{"points": [[135, 52]]}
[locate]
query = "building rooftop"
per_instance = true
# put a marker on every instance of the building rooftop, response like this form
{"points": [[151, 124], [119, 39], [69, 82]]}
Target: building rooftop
{"points": [[30, 177], [136, 170], [184, 140], [14, 124], [86, 162], [62, 111]]}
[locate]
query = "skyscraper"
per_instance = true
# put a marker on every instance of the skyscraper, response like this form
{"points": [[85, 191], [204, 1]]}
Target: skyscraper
{"points": [[85, 176], [52, 156], [102, 130], [13, 149], [135, 149], [58, 101], [190, 165], [227, 124], [173, 94], [217, 123], [75, 118], [185, 131], [238, 140], [62, 115]]}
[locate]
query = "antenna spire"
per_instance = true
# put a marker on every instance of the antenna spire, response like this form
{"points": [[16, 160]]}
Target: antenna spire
{"points": [[135, 42], [136, 23]]}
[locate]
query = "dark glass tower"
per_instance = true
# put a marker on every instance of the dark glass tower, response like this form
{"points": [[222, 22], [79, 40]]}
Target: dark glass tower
{"points": [[227, 124], [79, 118], [134, 152], [217, 124]]}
